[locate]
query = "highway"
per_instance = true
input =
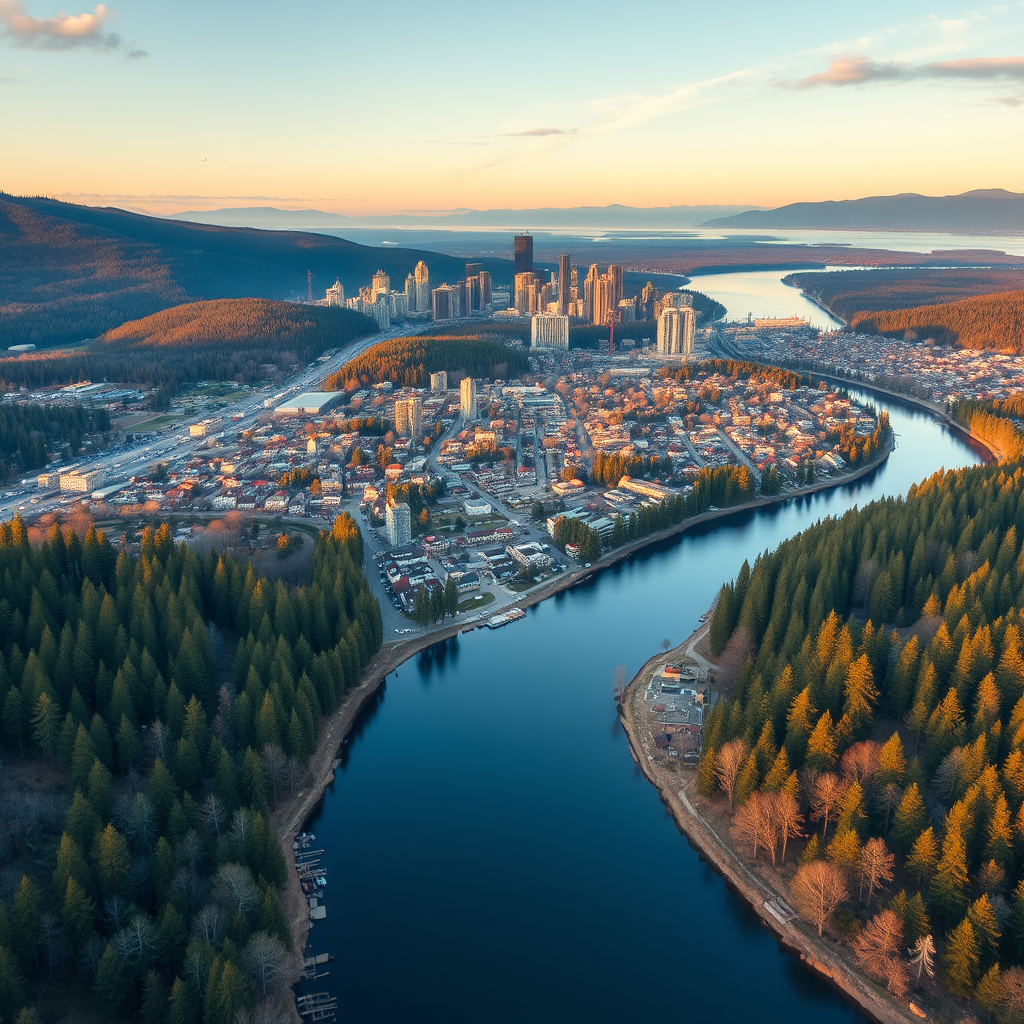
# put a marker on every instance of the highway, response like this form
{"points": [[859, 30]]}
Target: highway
{"points": [[174, 445]]}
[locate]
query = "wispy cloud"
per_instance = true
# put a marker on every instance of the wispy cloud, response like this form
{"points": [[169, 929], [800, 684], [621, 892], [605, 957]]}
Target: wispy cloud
{"points": [[539, 132], [63, 31], [858, 69], [12, 81]]}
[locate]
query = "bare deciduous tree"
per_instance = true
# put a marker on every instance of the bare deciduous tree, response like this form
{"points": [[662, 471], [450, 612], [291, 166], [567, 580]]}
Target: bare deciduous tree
{"points": [[728, 764], [767, 821], [294, 772], [137, 942], [817, 891], [825, 791], [264, 959], [213, 813], [210, 924], [860, 763], [788, 819], [1011, 1006], [877, 950], [274, 764], [235, 890], [875, 867], [887, 799], [922, 958]]}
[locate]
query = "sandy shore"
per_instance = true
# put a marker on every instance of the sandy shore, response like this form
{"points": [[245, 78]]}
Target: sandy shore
{"points": [[289, 817], [678, 790]]}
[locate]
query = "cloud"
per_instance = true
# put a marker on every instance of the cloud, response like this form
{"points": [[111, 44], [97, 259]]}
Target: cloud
{"points": [[62, 31], [12, 81], [540, 132], [857, 69]]}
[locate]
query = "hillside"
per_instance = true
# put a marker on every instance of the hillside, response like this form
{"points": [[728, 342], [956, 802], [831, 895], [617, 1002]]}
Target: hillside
{"points": [[983, 322], [849, 292], [409, 362], [69, 273], [223, 339], [986, 210]]}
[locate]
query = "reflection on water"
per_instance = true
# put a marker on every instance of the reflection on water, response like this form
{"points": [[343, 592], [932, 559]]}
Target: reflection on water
{"points": [[495, 855], [761, 293]]}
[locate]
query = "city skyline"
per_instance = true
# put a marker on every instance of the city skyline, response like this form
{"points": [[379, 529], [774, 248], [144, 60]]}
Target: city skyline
{"points": [[201, 108]]}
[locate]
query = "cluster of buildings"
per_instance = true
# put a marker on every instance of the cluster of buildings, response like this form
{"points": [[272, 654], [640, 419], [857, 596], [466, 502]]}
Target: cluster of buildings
{"points": [[939, 373], [418, 300]]}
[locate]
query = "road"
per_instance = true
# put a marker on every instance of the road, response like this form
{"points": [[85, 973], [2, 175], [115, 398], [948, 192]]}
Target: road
{"points": [[173, 443]]}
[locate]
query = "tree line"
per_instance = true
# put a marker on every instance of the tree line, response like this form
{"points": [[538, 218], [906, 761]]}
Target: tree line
{"points": [[999, 422], [243, 340], [151, 874], [878, 721], [409, 362], [30, 434]]}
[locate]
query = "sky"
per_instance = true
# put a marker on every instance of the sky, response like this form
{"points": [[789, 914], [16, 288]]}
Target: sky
{"points": [[363, 108]]}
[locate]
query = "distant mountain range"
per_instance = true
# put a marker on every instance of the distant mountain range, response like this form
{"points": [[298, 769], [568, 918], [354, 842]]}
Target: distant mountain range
{"points": [[983, 210], [605, 217], [71, 272]]}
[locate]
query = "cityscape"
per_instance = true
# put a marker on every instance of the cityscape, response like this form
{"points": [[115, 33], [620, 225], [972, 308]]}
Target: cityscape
{"points": [[446, 561]]}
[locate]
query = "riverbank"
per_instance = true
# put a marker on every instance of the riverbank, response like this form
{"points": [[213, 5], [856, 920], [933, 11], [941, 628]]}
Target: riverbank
{"points": [[289, 817], [678, 790]]}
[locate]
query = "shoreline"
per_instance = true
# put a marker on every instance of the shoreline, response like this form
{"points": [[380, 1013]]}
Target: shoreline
{"points": [[815, 954], [290, 817]]}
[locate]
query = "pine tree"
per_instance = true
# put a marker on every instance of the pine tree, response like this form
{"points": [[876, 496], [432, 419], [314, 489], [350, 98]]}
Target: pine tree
{"points": [[821, 745], [113, 863], [961, 960], [924, 856], [947, 894], [77, 915], [910, 819]]}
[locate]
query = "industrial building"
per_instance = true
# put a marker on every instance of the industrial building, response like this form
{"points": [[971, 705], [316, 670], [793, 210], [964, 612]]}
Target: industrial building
{"points": [[313, 403]]}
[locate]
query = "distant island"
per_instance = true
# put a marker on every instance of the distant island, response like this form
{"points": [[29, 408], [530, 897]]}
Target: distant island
{"points": [[981, 210]]}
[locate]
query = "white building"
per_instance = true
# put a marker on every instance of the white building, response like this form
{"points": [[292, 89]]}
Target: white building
{"points": [[336, 294], [549, 330], [82, 482], [676, 328], [399, 525], [422, 276], [467, 395], [439, 381], [409, 417], [381, 284]]}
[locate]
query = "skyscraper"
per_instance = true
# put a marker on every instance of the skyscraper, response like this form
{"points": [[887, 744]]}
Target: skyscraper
{"points": [[409, 417], [527, 290], [564, 284], [688, 329], [467, 398], [410, 292], [336, 294], [439, 381], [523, 254], [422, 276], [670, 332], [444, 303], [381, 283], [399, 524], [473, 269], [604, 290], [485, 288], [615, 276], [549, 330]]}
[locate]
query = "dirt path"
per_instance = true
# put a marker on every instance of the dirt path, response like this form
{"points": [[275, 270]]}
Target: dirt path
{"points": [[678, 793], [289, 817]]}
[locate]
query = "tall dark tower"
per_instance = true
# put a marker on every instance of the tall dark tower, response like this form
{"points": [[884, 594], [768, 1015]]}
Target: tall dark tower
{"points": [[524, 254], [564, 277]]}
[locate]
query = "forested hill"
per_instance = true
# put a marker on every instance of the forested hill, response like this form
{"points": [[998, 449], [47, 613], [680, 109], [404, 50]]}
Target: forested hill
{"points": [[880, 715], [68, 272], [224, 339], [985, 322]]}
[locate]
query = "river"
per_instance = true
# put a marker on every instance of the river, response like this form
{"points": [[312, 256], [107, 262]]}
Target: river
{"points": [[495, 855]]}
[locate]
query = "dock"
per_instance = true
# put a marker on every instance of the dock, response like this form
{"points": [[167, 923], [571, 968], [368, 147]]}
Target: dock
{"points": [[504, 618]]}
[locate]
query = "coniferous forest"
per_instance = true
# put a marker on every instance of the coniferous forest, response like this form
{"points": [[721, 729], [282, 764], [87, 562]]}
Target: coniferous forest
{"points": [[166, 701], [879, 715], [29, 434]]}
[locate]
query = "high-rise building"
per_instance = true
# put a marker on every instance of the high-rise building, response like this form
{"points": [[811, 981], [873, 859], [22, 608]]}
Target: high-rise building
{"points": [[439, 381], [336, 294], [485, 288], [688, 329], [527, 293], [473, 269], [399, 305], [473, 302], [604, 290], [380, 310], [523, 254], [549, 330], [422, 276], [615, 276], [381, 283], [646, 310], [627, 310], [589, 285], [399, 524], [467, 398], [564, 284], [410, 292], [444, 303], [670, 332], [409, 417]]}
